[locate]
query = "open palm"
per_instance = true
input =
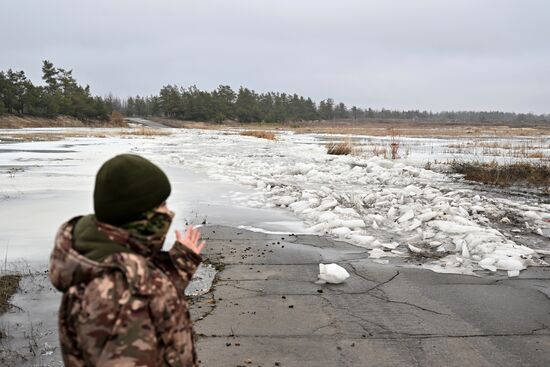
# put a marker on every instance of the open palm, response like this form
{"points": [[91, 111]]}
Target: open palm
{"points": [[191, 239]]}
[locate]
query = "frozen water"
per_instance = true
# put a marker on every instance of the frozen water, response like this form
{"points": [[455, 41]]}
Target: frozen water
{"points": [[54, 182], [394, 208]]}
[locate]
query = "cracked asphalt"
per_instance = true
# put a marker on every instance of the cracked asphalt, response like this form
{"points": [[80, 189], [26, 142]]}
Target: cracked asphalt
{"points": [[266, 310]]}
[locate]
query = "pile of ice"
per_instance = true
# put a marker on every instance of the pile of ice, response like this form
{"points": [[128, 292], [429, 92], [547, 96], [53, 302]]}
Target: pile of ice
{"points": [[390, 207], [405, 201]]}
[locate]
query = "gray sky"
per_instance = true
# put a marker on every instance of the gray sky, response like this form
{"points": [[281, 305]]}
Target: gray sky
{"points": [[402, 54]]}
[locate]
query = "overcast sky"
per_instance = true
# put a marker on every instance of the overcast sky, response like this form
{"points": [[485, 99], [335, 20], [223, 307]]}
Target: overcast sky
{"points": [[399, 54]]}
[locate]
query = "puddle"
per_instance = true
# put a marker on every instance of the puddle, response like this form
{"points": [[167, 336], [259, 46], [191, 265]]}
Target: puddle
{"points": [[31, 325], [202, 281]]}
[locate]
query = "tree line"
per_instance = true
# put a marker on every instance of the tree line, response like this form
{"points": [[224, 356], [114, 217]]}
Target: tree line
{"points": [[62, 95], [246, 105]]}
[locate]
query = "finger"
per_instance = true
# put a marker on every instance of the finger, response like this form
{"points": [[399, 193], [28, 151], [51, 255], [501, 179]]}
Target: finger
{"points": [[191, 237], [201, 246], [192, 234], [197, 236], [188, 233]]}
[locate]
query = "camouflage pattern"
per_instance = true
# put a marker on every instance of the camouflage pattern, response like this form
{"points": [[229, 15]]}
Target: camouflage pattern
{"points": [[129, 310], [156, 221]]}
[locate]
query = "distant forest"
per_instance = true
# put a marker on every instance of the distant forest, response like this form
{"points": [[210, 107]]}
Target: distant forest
{"points": [[62, 95]]}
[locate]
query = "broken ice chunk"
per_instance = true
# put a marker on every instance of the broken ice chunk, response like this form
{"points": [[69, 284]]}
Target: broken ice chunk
{"points": [[510, 264], [377, 253], [414, 225], [409, 214], [412, 190], [429, 215], [415, 249], [332, 273], [341, 231], [505, 220], [391, 246], [363, 241]]}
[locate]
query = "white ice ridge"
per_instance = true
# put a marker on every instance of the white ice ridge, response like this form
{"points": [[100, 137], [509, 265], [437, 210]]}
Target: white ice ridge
{"points": [[390, 207]]}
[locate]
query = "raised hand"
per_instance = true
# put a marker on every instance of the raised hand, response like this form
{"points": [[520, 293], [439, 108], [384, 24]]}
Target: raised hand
{"points": [[191, 239]]}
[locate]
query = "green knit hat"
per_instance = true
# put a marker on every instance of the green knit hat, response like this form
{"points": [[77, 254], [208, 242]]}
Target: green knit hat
{"points": [[126, 186]]}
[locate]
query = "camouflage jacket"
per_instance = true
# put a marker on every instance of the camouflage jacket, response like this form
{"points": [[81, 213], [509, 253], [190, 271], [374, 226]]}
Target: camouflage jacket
{"points": [[128, 310]]}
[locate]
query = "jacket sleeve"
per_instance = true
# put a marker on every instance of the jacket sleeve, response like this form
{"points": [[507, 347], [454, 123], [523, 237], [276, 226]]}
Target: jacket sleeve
{"points": [[72, 356], [115, 327], [185, 262]]}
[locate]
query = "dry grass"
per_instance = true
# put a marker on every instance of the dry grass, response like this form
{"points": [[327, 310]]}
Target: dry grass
{"points": [[345, 147], [8, 287], [181, 124], [38, 136], [19, 122], [141, 131], [262, 134], [394, 144], [416, 129], [375, 128], [117, 119], [536, 155], [91, 133], [493, 173]]}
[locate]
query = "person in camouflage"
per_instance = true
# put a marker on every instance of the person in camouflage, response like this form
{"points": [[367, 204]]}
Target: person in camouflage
{"points": [[123, 297]]}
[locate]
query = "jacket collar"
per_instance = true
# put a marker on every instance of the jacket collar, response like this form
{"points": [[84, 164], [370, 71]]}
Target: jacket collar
{"points": [[69, 268]]}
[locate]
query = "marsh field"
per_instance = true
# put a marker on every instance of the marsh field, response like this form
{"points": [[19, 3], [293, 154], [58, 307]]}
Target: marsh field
{"points": [[397, 195]]}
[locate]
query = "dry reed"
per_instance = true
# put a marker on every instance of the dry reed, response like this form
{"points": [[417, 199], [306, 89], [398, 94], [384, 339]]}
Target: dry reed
{"points": [[262, 134], [341, 148], [8, 287], [517, 173]]}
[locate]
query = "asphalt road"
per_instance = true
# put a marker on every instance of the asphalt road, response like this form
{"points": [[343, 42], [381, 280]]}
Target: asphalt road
{"points": [[266, 310], [145, 122]]}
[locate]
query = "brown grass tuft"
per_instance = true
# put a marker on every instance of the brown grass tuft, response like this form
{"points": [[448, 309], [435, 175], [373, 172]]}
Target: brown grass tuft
{"points": [[117, 119], [394, 144], [262, 134], [536, 155], [341, 148], [493, 173], [8, 287]]}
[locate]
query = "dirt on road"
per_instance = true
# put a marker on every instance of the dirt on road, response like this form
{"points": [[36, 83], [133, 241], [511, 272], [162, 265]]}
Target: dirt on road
{"points": [[265, 309]]}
